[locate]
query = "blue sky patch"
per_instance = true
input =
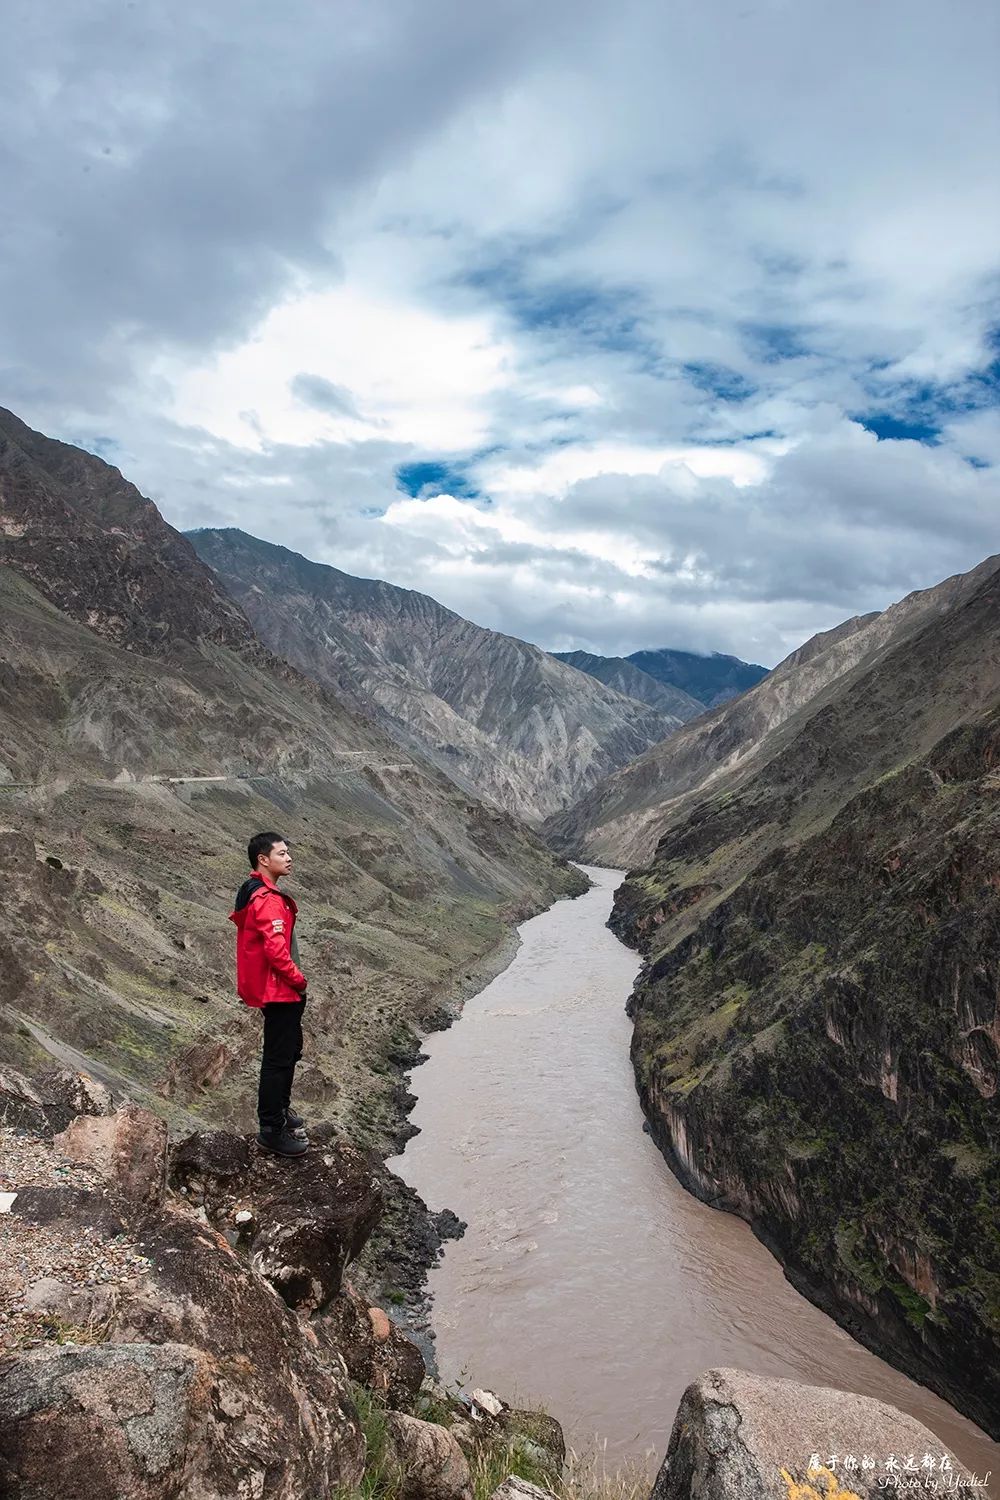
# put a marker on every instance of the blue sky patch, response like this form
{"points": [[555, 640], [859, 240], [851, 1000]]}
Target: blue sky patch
{"points": [[886, 425], [427, 478], [920, 409]]}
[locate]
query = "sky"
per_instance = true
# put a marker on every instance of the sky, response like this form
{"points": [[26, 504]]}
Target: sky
{"points": [[661, 323]]}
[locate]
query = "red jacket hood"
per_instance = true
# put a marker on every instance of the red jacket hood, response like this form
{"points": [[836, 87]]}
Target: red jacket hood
{"points": [[256, 884]]}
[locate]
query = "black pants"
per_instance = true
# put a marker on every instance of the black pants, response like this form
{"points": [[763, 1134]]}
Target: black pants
{"points": [[281, 1051]]}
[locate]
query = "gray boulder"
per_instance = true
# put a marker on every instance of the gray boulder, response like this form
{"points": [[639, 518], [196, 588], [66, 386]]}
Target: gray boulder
{"points": [[740, 1436], [428, 1460], [107, 1422]]}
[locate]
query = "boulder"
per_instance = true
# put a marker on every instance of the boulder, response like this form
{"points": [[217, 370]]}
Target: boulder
{"points": [[49, 1103], [741, 1436], [110, 1422], [377, 1353], [283, 1419], [21, 1101], [77, 1092], [535, 1436], [429, 1461], [128, 1148], [299, 1222]]}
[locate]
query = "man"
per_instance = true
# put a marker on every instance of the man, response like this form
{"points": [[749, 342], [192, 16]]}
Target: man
{"points": [[268, 978]]}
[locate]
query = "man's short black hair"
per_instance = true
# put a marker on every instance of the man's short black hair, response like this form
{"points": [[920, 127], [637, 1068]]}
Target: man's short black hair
{"points": [[263, 843]]}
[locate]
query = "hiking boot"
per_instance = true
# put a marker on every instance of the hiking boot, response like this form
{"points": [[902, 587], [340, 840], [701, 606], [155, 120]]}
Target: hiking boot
{"points": [[293, 1121], [282, 1142]]}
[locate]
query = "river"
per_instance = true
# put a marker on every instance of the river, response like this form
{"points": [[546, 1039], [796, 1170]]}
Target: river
{"points": [[589, 1280]]}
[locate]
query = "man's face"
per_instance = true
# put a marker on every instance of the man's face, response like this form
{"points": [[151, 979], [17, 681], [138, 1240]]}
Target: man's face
{"points": [[278, 862]]}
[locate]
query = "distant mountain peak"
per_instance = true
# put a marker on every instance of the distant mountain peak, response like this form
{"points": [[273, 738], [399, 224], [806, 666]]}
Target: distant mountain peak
{"points": [[711, 678]]}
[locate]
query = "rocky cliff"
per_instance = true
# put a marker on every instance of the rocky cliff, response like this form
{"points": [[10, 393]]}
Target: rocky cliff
{"points": [[817, 1033], [501, 717]]}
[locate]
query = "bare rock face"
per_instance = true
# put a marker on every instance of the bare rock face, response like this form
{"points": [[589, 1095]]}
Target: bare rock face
{"points": [[377, 1353], [50, 1103], [77, 1092], [201, 1066], [740, 1436], [260, 1406], [501, 717], [431, 1464], [133, 1421], [129, 1148], [299, 1222]]}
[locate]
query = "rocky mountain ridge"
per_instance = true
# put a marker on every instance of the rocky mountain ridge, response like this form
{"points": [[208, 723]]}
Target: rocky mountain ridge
{"points": [[625, 677], [620, 821], [711, 679], [501, 717]]}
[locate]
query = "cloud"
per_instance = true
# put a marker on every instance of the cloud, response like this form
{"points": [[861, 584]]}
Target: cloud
{"points": [[323, 395], [613, 326]]}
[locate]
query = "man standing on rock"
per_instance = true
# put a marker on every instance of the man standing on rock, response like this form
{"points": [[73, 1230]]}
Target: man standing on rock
{"points": [[269, 979]]}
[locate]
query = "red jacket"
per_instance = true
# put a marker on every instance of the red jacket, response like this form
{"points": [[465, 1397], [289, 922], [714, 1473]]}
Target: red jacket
{"points": [[265, 922]]}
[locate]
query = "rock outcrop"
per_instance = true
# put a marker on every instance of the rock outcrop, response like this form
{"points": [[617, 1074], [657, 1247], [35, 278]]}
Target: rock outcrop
{"points": [[128, 1148], [738, 1436], [210, 1362], [300, 1223], [133, 1421], [253, 1403]]}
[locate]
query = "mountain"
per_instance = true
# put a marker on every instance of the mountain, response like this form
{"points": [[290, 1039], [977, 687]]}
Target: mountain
{"points": [[501, 717], [621, 819], [624, 677], [711, 679], [145, 733], [817, 1026]]}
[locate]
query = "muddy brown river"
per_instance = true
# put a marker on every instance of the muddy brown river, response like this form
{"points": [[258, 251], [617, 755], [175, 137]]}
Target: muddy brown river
{"points": [[589, 1280]]}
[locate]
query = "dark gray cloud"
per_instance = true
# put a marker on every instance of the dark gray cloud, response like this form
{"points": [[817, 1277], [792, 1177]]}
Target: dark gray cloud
{"points": [[168, 176]]}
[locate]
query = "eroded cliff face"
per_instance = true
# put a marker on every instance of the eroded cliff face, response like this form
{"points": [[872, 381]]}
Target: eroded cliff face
{"points": [[499, 716], [820, 1053]]}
